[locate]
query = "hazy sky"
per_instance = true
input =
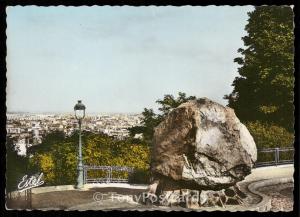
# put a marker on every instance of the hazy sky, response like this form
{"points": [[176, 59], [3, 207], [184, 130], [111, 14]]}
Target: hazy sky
{"points": [[119, 59]]}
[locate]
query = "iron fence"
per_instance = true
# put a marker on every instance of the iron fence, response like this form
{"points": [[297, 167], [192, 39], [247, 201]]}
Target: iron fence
{"points": [[19, 200], [108, 174], [120, 174], [274, 156]]}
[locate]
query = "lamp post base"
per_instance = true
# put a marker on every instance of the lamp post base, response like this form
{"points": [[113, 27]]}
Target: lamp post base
{"points": [[79, 184]]}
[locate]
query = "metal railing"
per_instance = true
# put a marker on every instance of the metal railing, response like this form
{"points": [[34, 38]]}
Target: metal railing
{"points": [[19, 200], [274, 156], [266, 157], [108, 174]]}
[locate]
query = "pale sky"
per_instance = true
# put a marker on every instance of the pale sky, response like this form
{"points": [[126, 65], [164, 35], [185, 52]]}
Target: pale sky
{"points": [[119, 59]]}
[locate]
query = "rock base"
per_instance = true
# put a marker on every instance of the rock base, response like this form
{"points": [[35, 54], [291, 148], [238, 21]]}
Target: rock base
{"points": [[194, 199]]}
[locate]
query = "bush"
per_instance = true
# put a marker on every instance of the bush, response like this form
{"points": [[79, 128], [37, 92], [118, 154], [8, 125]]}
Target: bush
{"points": [[139, 177], [58, 161], [16, 166], [270, 135]]}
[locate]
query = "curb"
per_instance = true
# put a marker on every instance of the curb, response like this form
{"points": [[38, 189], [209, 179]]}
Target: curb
{"points": [[265, 204], [86, 187]]}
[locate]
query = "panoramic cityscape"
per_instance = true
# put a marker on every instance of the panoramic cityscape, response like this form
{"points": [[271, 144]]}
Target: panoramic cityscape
{"points": [[27, 129]]}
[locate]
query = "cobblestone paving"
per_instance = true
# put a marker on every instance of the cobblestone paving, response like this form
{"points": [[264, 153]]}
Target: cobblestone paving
{"points": [[282, 196]]}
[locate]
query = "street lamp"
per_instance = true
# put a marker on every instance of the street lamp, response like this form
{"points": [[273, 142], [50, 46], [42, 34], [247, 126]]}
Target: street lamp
{"points": [[79, 109]]}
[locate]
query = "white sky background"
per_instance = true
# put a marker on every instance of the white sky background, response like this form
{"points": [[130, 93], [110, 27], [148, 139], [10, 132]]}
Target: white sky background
{"points": [[119, 59]]}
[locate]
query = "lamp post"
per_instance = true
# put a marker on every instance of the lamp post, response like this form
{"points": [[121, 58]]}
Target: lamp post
{"points": [[79, 109]]}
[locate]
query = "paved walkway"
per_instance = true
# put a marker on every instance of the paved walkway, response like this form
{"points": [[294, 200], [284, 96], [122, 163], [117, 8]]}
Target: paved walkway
{"points": [[270, 172], [66, 197]]}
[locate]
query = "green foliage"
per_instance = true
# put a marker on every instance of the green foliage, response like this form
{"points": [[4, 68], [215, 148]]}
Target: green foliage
{"points": [[169, 102], [151, 120], [48, 141], [59, 161], [269, 135], [140, 177], [264, 89], [16, 166]]}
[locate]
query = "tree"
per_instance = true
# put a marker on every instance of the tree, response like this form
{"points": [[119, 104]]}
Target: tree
{"points": [[151, 120], [169, 102], [58, 161], [268, 135], [16, 166], [264, 89], [48, 141]]}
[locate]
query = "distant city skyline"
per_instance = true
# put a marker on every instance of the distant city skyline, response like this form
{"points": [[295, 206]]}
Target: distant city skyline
{"points": [[70, 113], [119, 59]]}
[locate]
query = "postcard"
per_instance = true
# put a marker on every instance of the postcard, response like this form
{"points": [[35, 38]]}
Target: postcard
{"points": [[150, 108]]}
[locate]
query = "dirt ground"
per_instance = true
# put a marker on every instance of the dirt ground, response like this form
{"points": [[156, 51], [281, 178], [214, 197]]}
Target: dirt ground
{"points": [[65, 199]]}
